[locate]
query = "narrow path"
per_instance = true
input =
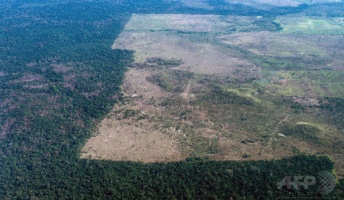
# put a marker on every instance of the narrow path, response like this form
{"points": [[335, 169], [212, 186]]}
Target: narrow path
{"points": [[186, 92], [271, 143], [283, 120]]}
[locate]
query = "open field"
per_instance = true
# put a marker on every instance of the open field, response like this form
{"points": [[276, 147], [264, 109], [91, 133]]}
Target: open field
{"points": [[158, 124], [169, 40], [197, 89], [320, 83], [311, 25], [200, 58], [175, 22], [273, 44]]}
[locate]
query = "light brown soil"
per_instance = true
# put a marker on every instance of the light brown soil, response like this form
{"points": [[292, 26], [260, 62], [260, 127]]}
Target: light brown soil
{"points": [[200, 58], [121, 140], [162, 36], [127, 138]]}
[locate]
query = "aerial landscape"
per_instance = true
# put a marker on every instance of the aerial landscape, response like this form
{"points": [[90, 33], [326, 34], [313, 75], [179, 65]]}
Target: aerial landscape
{"points": [[172, 99]]}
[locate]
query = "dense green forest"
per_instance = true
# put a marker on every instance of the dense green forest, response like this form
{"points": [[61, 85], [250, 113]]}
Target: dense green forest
{"points": [[59, 77]]}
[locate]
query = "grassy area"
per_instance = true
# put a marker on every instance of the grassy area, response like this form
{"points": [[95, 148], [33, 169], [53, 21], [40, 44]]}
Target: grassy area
{"points": [[243, 92], [311, 25], [318, 83], [172, 81]]}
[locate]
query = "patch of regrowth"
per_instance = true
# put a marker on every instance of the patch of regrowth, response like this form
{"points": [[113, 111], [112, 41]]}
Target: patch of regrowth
{"points": [[243, 93], [306, 131], [171, 81], [164, 62]]}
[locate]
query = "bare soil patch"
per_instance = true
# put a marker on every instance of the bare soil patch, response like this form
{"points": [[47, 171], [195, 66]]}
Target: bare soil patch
{"points": [[131, 130], [201, 58]]}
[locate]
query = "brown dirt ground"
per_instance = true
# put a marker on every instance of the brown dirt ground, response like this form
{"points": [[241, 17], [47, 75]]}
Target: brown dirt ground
{"points": [[126, 138]]}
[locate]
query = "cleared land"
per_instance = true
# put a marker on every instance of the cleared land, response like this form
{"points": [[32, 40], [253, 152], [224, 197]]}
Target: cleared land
{"points": [[311, 25], [273, 44], [182, 37], [197, 89], [316, 62], [131, 132], [154, 125]]}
